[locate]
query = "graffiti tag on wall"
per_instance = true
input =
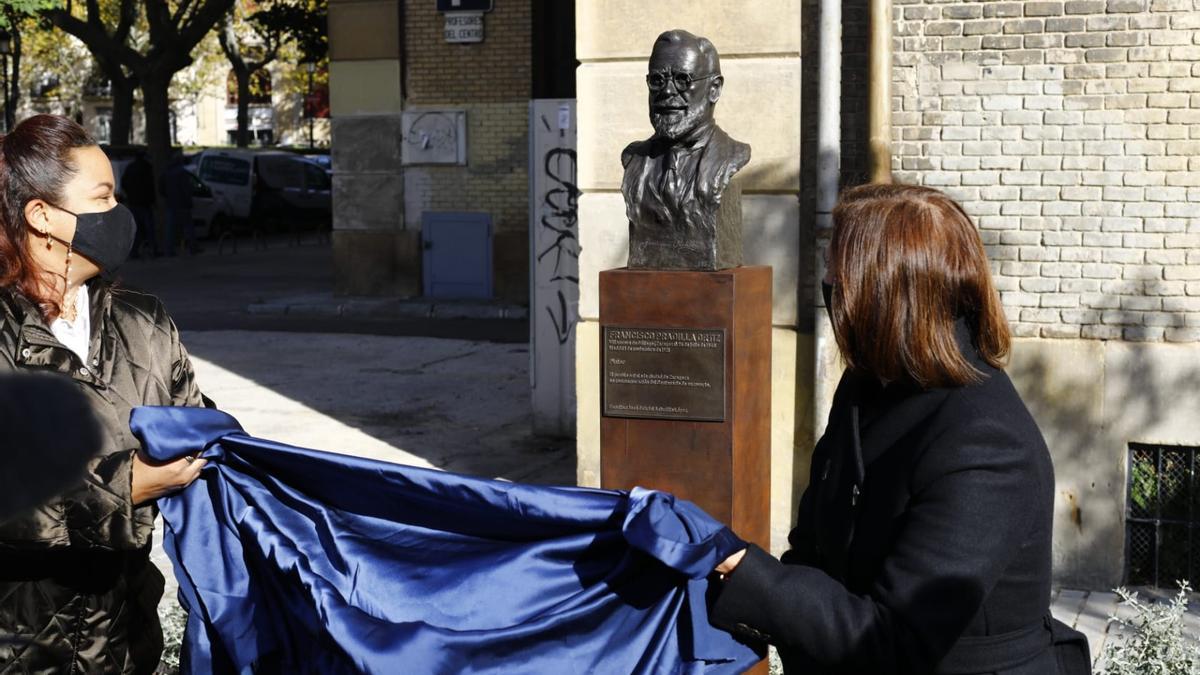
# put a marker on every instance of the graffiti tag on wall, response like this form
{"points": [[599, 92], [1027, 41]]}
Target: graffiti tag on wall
{"points": [[558, 261]]}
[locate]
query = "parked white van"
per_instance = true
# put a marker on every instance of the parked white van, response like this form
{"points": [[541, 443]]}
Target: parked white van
{"points": [[269, 187]]}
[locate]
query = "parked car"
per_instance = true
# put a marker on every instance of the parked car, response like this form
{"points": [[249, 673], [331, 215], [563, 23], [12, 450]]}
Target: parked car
{"points": [[271, 188], [209, 210]]}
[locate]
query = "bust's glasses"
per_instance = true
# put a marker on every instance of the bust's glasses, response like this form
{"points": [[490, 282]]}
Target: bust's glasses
{"points": [[683, 81]]}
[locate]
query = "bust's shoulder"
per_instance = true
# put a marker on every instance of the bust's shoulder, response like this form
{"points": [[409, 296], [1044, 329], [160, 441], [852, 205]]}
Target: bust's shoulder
{"points": [[635, 149], [737, 152]]}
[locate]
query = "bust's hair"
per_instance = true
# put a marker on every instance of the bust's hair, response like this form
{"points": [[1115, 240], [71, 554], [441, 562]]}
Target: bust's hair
{"points": [[708, 53], [908, 264]]}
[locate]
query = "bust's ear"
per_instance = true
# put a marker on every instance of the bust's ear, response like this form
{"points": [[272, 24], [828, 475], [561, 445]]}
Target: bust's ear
{"points": [[714, 88]]}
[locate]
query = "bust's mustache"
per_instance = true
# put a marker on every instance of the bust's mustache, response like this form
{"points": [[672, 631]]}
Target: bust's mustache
{"points": [[674, 122]]}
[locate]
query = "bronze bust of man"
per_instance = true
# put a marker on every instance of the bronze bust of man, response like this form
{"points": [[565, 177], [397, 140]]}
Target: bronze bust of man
{"points": [[683, 212]]}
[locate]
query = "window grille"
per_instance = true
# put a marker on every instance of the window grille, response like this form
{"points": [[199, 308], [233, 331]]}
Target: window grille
{"points": [[1162, 517]]}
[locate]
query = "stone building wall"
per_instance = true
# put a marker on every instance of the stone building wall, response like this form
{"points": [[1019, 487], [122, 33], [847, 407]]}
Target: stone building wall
{"points": [[366, 101], [1070, 131]]}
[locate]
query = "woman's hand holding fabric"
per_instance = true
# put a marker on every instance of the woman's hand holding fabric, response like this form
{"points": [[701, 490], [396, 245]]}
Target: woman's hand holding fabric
{"points": [[152, 479], [729, 564]]}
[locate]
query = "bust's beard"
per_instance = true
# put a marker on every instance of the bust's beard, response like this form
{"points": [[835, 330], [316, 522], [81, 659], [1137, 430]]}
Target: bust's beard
{"points": [[674, 126]]}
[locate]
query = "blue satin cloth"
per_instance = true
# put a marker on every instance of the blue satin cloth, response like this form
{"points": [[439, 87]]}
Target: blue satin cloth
{"points": [[292, 560]]}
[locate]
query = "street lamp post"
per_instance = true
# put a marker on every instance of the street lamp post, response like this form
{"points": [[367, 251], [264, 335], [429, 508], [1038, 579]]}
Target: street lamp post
{"points": [[5, 50], [308, 102]]}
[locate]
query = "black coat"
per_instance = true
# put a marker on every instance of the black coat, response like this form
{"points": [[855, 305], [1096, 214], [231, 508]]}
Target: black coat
{"points": [[928, 523], [78, 593]]}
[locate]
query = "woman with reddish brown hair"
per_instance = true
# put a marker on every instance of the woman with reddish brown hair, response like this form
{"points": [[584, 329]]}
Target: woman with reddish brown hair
{"points": [[78, 593], [922, 543]]}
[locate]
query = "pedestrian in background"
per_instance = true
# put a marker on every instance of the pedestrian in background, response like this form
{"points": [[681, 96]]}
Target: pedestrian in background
{"points": [[137, 186], [78, 592], [176, 188]]}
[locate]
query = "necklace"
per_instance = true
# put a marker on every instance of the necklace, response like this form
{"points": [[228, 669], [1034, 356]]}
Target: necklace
{"points": [[70, 309]]}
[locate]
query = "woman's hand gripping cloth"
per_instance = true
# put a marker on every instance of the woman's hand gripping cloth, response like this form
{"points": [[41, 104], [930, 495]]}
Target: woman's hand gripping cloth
{"points": [[300, 561]]}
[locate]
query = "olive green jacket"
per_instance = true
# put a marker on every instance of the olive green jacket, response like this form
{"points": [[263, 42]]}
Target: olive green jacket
{"points": [[78, 593]]}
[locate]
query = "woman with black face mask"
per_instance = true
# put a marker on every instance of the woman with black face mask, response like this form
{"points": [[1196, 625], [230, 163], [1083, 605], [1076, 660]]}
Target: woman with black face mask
{"points": [[78, 592]]}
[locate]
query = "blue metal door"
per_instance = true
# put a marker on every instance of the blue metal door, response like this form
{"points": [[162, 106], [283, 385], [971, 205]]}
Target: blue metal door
{"points": [[458, 254]]}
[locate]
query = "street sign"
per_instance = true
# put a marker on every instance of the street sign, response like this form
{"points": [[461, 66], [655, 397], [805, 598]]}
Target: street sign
{"points": [[464, 5], [464, 27]]}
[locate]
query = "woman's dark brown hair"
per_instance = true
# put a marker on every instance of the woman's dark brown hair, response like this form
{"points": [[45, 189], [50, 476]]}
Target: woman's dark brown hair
{"points": [[35, 163], [908, 263]]}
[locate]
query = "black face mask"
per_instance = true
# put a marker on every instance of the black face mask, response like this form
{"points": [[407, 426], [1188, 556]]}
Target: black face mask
{"points": [[104, 237], [827, 293]]}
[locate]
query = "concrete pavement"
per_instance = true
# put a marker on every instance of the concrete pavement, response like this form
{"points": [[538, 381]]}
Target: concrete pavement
{"points": [[456, 405]]}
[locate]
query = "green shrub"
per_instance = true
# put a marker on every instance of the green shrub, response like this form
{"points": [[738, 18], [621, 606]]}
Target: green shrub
{"points": [[1155, 642]]}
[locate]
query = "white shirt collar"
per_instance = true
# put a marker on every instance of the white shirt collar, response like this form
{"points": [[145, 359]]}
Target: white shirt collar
{"points": [[76, 336]]}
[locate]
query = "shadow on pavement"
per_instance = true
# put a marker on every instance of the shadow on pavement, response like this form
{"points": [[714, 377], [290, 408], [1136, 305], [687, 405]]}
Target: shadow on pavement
{"points": [[447, 393]]}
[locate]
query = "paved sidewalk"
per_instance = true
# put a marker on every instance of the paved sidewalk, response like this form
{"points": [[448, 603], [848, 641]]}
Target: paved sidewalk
{"points": [[451, 404], [330, 305]]}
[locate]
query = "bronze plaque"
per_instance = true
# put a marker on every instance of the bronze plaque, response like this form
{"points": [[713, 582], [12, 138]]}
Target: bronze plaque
{"points": [[664, 373]]}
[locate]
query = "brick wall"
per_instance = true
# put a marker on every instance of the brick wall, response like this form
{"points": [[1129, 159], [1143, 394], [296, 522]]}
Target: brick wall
{"points": [[497, 69], [1071, 132], [495, 176], [491, 81]]}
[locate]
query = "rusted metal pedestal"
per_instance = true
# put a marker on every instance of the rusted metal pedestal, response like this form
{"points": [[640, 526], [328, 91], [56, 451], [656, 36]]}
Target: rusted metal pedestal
{"points": [[686, 390]]}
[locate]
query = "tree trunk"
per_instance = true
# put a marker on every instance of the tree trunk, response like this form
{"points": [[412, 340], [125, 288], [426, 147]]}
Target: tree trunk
{"points": [[121, 126], [243, 106], [233, 52], [13, 94], [157, 104], [123, 88], [157, 109]]}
